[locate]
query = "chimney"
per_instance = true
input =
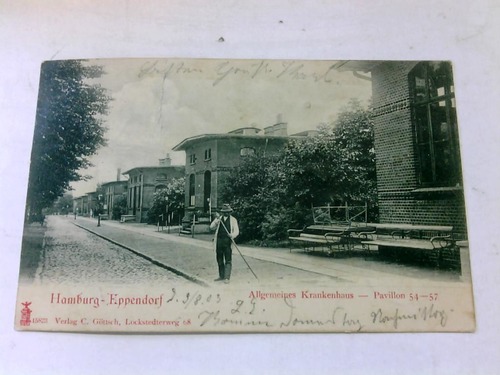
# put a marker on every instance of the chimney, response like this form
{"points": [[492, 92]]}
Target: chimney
{"points": [[166, 162], [280, 128], [251, 130], [118, 174]]}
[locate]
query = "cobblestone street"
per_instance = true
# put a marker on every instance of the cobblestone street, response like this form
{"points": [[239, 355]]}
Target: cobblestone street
{"points": [[72, 255]]}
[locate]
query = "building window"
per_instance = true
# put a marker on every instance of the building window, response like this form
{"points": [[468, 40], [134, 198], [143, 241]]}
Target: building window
{"points": [[247, 151], [207, 190], [435, 122], [192, 196], [192, 159], [208, 154]]}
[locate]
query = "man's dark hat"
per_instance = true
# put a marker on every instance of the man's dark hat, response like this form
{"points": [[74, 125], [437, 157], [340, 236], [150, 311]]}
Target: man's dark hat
{"points": [[226, 208]]}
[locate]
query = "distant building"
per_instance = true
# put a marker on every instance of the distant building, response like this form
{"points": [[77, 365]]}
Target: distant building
{"points": [[143, 182], [211, 157], [77, 205], [419, 177], [93, 202], [111, 191], [81, 205]]}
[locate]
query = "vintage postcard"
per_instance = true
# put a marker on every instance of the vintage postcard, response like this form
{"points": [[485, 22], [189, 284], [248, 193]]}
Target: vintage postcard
{"points": [[210, 195]]}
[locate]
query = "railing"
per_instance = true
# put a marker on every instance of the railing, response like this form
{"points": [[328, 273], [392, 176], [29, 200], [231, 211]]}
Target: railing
{"points": [[165, 220], [187, 227], [340, 214]]}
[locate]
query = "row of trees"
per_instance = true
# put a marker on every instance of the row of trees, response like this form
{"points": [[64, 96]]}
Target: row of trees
{"points": [[274, 193], [69, 129]]}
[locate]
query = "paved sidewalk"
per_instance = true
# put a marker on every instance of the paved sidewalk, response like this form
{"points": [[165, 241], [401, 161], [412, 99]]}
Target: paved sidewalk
{"points": [[194, 258]]}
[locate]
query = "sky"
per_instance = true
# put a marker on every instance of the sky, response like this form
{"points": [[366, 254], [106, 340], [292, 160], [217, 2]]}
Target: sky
{"points": [[157, 103]]}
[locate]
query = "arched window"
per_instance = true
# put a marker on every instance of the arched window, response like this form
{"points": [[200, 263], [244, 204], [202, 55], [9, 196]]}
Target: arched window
{"points": [[435, 121]]}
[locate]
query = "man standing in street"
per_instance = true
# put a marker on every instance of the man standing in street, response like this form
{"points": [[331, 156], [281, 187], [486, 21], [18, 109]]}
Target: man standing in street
{"points": [[226, 230]]}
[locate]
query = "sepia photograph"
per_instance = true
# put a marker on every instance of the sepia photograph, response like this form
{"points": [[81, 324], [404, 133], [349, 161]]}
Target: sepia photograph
{"points": [[233, 195]]}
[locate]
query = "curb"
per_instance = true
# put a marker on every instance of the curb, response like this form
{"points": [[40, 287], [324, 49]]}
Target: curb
{"points": [[177, 271]]}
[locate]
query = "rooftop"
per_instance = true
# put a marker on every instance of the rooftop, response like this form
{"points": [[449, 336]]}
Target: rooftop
{"points": [[149, 167], [277, 131], [247, 130], [114, 183], [205, 137]]}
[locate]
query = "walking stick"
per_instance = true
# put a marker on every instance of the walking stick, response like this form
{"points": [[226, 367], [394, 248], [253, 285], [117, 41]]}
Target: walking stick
{"points": [[236, 246]]}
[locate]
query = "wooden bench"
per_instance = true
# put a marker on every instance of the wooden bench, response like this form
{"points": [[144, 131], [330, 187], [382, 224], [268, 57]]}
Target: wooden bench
{"points": [[309, 239], [353, 230], [125, 218], [400, 237], [405, 230]]}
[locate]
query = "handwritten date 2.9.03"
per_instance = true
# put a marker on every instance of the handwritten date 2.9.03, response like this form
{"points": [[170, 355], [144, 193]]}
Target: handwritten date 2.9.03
{"points": [[190, 299]]}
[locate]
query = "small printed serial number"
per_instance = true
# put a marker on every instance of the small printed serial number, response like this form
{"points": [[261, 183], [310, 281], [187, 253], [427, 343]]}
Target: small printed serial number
{"points": [[39, 320]]}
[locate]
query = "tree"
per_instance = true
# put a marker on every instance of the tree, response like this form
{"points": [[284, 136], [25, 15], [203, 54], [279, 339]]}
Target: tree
{"points": [[68, 129], [119, 207], [337, 165], [272, 194], [311, 166], [247, 189], [354, 140], [100, 193], [168, 201], [63, 205]]}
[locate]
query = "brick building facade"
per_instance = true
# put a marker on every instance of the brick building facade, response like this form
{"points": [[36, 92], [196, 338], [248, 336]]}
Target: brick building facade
{"points": [[416, 142], [211, 157]]}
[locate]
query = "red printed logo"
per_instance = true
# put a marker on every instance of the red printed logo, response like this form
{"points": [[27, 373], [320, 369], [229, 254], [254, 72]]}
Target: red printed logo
{"points": [[26, 314]]}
